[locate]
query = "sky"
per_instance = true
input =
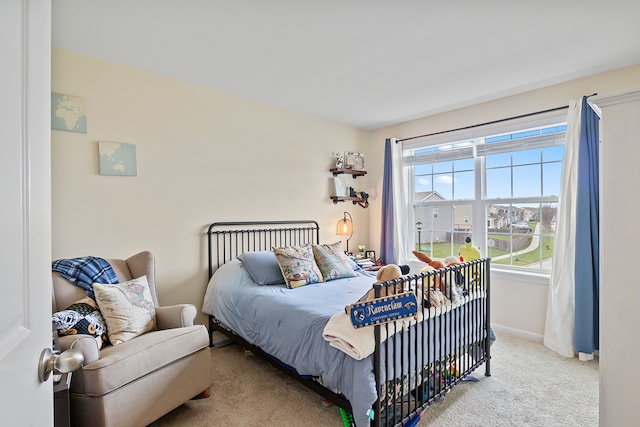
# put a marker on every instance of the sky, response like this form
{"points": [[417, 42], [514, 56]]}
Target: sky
{"points": [[527, 173]]}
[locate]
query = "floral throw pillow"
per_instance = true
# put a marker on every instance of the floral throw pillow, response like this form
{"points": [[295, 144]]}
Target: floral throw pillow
{"points": [[332, 261], [297, 265], [81, 317], [127, 308]]}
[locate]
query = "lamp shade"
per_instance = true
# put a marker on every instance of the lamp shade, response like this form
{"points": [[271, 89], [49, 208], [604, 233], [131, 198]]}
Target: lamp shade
{"points": [[344, 227]]}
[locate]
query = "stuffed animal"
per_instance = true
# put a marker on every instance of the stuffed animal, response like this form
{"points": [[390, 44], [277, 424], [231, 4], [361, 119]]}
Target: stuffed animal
{"points": [[387, 272], [435, 297], [432, 264], [451, 260], [468, 252], [427, 260]]}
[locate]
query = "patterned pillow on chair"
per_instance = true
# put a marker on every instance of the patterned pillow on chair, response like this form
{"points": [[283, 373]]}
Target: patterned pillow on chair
{"points": [[81, 317], [127, 308]]}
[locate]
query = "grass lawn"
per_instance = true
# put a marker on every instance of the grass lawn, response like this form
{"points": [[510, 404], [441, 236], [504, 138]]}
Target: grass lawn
{"points": [[443, 250]]}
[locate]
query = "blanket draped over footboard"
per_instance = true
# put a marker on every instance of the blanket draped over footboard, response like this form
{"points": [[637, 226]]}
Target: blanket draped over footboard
{"points": [[360, 342]]}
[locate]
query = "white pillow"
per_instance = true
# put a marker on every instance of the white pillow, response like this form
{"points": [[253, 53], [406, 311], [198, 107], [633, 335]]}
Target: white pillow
{"points": [[127, 308]]}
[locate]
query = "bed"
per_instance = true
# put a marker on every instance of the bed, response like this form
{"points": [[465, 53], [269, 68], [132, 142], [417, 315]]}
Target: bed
{"points": [[384, 374]]}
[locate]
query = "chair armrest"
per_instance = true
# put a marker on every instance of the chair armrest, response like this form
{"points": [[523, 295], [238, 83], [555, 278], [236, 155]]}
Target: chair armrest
{"points": [[87, 345], [175, 316]]}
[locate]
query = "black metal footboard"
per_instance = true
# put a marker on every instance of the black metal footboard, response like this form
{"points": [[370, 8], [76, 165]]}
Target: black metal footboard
{"points": [[430, 354]]}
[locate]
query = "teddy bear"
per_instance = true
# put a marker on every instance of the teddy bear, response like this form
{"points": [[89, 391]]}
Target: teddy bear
{"points": [[385, 273], [388, 272]]}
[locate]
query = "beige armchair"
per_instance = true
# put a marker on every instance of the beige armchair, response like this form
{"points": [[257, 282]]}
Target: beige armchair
{"points": [[138, 381]]}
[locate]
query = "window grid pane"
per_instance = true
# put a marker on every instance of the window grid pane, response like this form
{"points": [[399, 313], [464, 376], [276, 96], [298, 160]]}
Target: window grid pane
{"points": [[520, 204]]}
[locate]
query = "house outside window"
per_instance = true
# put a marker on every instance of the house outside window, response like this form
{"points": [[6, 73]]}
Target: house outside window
{"points": [[509, 181]]}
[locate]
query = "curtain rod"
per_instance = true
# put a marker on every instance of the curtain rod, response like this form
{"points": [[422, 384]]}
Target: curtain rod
{"points": [[487, 123], [491, 122]]}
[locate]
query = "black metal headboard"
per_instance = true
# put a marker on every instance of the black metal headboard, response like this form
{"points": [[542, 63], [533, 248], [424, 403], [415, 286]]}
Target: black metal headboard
{"points": [[227, 240]]}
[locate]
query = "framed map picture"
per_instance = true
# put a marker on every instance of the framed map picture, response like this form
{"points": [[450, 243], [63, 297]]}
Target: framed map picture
{"points": [[117, 158], [68, 113], [354, 161]]}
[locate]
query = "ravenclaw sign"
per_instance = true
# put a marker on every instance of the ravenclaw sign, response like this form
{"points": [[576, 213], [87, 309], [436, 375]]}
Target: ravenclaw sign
{"points": [[383, 310]]}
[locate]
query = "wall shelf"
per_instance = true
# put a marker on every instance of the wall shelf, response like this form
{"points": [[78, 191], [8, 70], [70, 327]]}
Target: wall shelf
{"points": [[355, 200], [353, 172]]}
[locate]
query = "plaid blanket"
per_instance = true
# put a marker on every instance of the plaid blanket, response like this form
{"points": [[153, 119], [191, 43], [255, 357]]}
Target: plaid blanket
{"points": [[85, 271]]}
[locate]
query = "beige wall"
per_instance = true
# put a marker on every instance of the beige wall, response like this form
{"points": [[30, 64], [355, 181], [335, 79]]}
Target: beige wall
{"points": [[527, 319], [206, 156], [203, 156]]}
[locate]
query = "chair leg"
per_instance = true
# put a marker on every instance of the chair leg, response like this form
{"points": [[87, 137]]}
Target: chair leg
{"points": [[206, 393]]}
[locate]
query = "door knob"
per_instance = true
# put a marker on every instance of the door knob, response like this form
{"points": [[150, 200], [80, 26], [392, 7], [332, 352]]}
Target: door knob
{"points": [[67, 361]]}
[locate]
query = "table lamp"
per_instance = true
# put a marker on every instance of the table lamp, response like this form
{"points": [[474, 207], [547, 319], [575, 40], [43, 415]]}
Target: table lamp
{"points": [[344, 227]]}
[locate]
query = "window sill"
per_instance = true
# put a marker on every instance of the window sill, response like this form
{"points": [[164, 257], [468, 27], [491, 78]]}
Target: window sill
{"points": [[542, 278]]}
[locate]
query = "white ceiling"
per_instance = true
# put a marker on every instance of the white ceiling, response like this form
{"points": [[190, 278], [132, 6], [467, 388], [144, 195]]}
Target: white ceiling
{"points": [[366, 63]]}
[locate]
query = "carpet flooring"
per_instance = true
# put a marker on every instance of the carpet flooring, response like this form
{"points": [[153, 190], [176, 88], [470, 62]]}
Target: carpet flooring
{"points": [[529, 386]]}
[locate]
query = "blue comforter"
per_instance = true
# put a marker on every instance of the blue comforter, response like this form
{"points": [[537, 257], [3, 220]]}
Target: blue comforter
{"points": [[288, 324]]}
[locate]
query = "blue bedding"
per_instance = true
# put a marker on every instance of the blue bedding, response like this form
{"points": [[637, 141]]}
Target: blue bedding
{"points": [[288, 324]]}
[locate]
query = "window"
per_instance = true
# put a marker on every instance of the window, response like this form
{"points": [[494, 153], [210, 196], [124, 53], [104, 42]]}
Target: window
{"points": [[508, 181]]}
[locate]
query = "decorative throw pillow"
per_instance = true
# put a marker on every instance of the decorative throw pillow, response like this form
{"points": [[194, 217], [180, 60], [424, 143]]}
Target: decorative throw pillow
{"points": [[81, 317], [297, 265], [127, 308], [352, 263], [263, 267], [332, 261]]}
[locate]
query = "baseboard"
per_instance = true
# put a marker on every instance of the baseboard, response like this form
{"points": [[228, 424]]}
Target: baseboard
{"points": [[519, 332]]}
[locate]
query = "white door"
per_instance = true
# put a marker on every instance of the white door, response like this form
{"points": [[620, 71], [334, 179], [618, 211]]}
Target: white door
{"points": [[25, 212]]}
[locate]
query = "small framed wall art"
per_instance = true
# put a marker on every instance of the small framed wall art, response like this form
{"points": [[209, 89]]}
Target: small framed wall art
{"points": [[68, 113], [117, 158], [354, 161]]}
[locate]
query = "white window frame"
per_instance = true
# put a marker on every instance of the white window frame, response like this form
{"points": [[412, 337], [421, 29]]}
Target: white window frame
{"points": [[480, 202]]}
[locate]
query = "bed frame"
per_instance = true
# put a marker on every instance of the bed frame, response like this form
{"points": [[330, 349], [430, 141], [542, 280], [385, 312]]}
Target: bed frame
{"points": [[414, 385]]}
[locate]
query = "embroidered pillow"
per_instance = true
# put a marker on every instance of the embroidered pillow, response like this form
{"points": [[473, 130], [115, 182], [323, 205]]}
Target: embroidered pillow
{"points": [[263, 267], [127, 308], [332, 261], [81, 317], [297, 265]]}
